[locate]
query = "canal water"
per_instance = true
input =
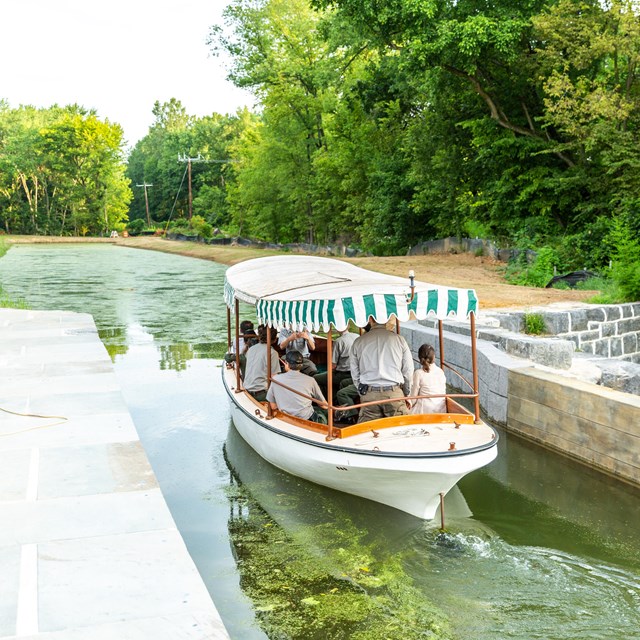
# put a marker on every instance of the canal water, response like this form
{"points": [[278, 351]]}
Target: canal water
{"points": [[536, 545]]}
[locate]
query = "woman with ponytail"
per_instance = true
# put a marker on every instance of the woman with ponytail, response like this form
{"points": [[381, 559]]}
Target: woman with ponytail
{"points": [[429, 379]]}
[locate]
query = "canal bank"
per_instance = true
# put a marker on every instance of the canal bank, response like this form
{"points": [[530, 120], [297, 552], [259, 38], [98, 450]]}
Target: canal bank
{"points": [[557, 405], [88, 547]]}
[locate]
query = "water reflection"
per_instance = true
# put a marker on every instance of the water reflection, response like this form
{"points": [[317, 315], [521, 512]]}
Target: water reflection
{"points": [[311, 563], [115, 340], [489, 586], [131, 294]]}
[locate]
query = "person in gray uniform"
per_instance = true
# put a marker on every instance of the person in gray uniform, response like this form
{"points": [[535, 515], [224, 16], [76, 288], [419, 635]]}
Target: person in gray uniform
{"points": [[381, 368], [289, 402], [303, 342], [340, 352], [244, 342], [255, 374]]}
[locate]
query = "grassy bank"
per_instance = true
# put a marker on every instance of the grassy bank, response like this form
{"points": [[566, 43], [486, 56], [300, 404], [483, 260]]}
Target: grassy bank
{"points": [[5, 301]]}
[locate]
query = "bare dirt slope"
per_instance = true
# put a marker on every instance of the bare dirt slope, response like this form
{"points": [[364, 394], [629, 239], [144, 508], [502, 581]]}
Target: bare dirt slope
{"points": [[457, 270], [465, 270]]}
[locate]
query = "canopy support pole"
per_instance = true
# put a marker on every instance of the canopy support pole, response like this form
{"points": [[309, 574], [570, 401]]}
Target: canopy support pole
{"points": [[269, 409], [330, 384], [474, 360], [228, 329], [442, 363], [237, 312]]}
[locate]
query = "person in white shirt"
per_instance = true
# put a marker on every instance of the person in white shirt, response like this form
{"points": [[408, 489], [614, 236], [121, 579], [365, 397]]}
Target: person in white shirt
{"points": [[303, 342], [246, 334], [429, 379], [381, 368]]}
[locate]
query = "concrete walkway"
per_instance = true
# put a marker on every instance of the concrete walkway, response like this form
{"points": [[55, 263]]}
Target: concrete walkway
{"points": [[88, 548]]}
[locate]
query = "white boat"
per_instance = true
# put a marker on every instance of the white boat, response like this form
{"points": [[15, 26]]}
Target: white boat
{"points": [[407, 462]]}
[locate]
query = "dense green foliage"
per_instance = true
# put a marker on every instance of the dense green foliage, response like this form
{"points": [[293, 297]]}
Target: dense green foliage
{"points": [[381, 123], [389, 122], [161, 158], [61, 172]]}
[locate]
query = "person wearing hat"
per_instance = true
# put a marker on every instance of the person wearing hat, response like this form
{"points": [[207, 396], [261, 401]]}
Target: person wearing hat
{"points": [[289, 402], [255, 376], [381, 369]]}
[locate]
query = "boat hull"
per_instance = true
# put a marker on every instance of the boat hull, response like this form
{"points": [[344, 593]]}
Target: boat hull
{"points": [[410, 483]]}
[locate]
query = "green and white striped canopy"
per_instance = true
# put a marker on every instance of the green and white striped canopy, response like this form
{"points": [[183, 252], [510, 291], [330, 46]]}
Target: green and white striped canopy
{"points": [[308, 292]]}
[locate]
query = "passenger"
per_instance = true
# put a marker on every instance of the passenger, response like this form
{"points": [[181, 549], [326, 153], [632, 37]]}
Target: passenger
{"points": [[303, 342], [429, 379], [292, 403], [250, 338], [246, 330], [255, 377], [340, 353], [381, 368], [347, 395]]}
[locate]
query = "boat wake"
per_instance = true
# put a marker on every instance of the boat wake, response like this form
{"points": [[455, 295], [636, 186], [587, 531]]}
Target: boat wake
{"points": [[493, 589]]}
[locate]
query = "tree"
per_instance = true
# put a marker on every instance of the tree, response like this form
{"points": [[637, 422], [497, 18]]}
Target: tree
{"points": [[279, 50], [61, 171], [155, 160]]}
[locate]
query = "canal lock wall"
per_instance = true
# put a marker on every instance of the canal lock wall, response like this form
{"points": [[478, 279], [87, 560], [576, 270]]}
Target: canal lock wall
{"points": [[556, 390]]}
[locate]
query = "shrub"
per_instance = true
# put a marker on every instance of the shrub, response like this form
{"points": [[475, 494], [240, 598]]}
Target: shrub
{"points": [[533, 324], [201, 227], [536, 273], [135, 226], [625, 270]]}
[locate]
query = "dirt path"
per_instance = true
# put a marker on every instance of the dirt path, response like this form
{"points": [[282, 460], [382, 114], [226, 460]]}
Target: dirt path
{"points": [[458, 270]]}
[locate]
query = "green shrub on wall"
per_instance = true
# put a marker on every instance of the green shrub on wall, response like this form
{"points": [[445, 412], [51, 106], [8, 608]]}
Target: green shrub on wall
{"points": [[625, 268], [533, 324]]}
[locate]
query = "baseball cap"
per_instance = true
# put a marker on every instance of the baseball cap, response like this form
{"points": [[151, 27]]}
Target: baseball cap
{"points": [[293, 357]]}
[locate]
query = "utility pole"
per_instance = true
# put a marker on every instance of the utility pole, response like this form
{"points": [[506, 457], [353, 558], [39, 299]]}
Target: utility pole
{"points": [[184, 158], [146, 200]]}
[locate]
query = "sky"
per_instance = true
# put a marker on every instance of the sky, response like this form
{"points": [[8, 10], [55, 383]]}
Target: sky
{"points": [[115, 56]]}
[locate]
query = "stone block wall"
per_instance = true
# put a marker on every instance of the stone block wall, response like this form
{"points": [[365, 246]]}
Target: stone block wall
{"points": [[608, 331], [493, 365], [593, 424]]}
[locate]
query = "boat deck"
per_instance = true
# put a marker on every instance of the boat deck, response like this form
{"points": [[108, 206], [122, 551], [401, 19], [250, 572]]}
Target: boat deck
{"points": [[436, 434]]}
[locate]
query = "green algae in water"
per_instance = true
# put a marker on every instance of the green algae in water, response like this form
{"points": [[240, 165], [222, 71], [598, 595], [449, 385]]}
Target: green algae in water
{"points": [[326, 581]]}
